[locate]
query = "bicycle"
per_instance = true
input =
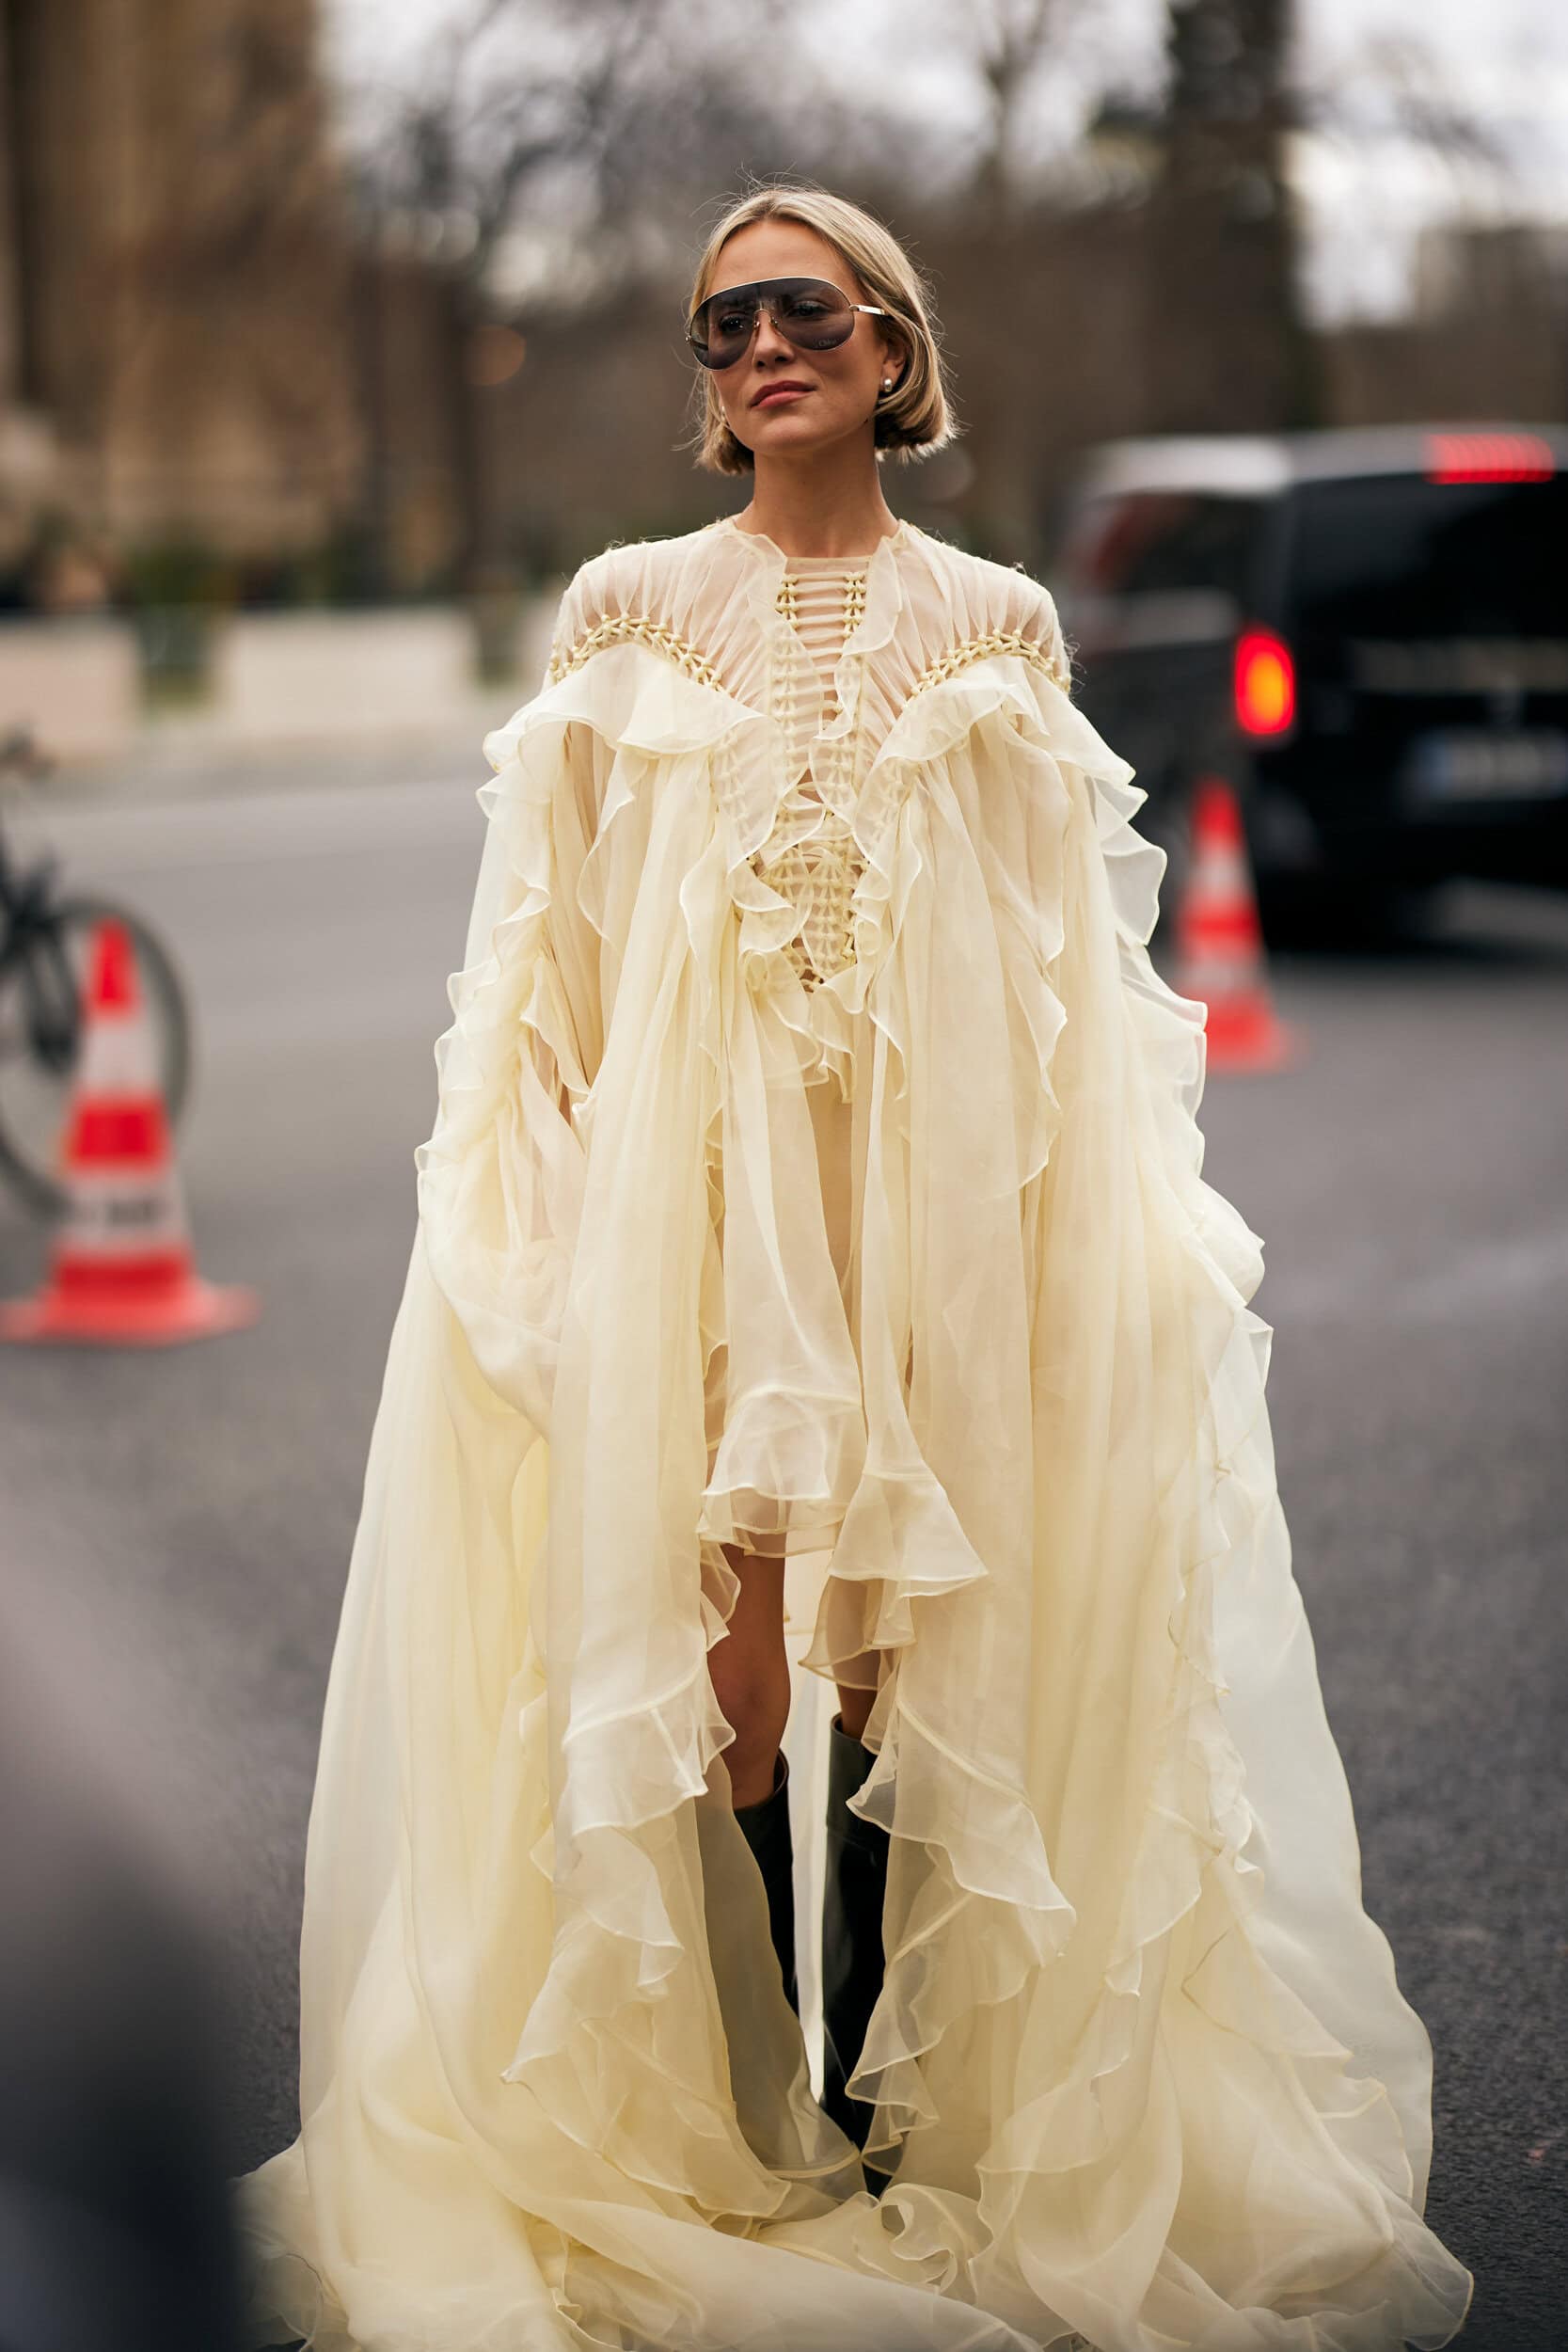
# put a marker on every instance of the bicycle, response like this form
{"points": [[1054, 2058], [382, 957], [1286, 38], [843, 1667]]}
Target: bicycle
{"points": [[45, 943]]}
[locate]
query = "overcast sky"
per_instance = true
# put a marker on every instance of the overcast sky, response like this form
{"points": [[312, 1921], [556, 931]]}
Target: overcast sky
{"points": [[1364, 196]]}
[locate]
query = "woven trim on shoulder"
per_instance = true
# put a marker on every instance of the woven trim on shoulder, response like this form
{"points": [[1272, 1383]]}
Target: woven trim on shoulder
{"points": [[641, 629], [980, 648]]}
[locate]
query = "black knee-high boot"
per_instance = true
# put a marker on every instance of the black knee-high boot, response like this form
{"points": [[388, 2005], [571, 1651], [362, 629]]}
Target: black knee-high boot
{"points": [[852, 1958], [766, 1828]]}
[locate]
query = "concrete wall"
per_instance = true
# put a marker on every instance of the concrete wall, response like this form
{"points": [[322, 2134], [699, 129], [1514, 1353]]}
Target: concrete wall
{"points": [[276, 675], [76, 684], [279, 680]]}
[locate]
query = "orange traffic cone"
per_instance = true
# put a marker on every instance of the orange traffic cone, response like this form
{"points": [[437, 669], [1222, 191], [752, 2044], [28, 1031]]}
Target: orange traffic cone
{"points": [[1220, 941], [122, 1272]]}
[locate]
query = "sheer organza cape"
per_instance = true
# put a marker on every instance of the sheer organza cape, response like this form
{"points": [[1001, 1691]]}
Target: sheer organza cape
{"points": [[1141, 2069]]}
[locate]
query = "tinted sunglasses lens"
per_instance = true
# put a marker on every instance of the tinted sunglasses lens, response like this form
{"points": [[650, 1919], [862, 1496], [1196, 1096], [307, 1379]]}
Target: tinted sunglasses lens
{"points": [[813, 313], [809, 311], [722, 326]]}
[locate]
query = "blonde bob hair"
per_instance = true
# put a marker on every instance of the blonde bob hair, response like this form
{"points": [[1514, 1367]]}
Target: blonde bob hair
{"points": [[915, 419]]}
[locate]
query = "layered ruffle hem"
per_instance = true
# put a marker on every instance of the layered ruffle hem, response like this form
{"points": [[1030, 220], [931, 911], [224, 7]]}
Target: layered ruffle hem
{"points": [[1141, 2070]]}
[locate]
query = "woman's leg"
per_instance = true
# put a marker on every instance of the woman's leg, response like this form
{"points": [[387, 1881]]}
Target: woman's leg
{"points": [[751, 1676], [854, 1899], [854, 1704]]}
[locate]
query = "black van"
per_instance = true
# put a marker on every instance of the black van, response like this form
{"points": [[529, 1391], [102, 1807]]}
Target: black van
{"points": [[1366, 631]]}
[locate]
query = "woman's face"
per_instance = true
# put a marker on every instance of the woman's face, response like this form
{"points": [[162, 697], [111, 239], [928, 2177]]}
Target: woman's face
{"points": [[840, 390]]}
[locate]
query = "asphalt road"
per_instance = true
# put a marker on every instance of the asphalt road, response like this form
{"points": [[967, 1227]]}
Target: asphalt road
{"points": [[180, 1525]]}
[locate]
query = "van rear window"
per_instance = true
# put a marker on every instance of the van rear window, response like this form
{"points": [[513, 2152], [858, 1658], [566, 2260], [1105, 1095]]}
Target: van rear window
{"points": [[1153, 542], [1394, 555]]}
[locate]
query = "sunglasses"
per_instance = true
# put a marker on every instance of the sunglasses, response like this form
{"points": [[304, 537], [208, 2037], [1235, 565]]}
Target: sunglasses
{"points": [[808, 312]]}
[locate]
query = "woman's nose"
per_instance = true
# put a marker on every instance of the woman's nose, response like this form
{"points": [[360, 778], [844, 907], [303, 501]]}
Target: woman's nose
{"points": [[769, 342]]}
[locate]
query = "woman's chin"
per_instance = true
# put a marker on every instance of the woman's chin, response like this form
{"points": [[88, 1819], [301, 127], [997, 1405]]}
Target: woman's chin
{"points": [[785, 430]]}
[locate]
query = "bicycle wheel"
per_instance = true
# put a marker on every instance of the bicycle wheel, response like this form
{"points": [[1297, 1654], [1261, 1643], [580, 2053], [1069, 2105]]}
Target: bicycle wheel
{"points": [[41, 984]]}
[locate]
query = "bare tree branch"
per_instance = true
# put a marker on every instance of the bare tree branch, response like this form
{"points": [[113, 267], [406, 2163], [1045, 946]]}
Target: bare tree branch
{"points": [[1398, 90]]}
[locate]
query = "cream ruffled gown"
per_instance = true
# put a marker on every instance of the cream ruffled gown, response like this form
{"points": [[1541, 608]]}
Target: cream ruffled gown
{"points": [[1140, 2059]]}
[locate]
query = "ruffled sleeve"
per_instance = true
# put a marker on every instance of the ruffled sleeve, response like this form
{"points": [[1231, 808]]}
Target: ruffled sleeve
{"points": [[500, 1180]]}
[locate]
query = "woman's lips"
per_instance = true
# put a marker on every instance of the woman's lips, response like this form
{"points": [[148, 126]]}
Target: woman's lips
{"points": [[785, 391]]}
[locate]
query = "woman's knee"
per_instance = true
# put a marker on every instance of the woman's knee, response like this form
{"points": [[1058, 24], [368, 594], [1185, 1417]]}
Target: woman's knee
{"points": [[757, 1713], [750, 1665], [752, 1689]]}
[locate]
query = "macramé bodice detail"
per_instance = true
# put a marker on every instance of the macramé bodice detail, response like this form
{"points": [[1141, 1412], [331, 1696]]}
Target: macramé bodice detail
{"points": [[811, 857]]}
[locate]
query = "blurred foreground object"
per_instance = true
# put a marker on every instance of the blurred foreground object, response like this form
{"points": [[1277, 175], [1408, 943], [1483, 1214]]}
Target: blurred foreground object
{"points": [[1365, 630], [122, 1272], [114, 2232]]}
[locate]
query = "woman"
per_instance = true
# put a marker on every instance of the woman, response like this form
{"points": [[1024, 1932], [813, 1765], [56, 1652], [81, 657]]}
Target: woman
{"points": [[812, 1242]]}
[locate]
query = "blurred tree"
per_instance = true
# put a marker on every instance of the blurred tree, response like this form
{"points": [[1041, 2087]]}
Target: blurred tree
{"points": [[1009, 41], [1224, 313], [594, 128], [1228, 318], [1398, 88]]}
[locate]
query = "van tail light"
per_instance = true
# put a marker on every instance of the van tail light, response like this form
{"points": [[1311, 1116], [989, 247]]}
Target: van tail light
{"points": [[1265, 683], [1489, 458]]}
